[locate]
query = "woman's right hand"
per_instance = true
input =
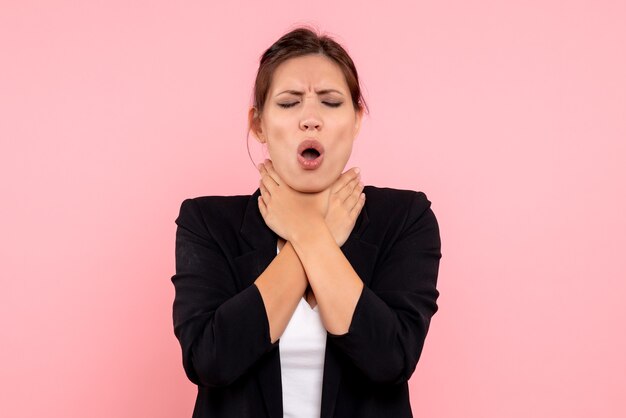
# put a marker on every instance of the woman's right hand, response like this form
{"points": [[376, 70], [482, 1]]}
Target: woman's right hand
{"points": [[344, 205]]}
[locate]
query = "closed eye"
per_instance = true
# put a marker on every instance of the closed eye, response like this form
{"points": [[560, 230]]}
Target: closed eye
{"points": [[330, 104]]}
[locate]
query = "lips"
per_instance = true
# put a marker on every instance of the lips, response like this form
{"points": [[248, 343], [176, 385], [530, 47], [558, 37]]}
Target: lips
{"points": [[310, 160], [310, 143]]}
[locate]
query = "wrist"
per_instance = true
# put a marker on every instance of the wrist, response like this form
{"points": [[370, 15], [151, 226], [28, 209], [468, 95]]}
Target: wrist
{"points": [[311, 230]]}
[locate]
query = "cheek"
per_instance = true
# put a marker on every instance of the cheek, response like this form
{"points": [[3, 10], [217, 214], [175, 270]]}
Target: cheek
{"points": [[344, 141], [280, 152], [279, 142], [282, 161]]}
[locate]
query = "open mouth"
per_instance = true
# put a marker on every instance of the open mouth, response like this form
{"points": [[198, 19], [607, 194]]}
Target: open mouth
{"points": [[310, 149], [310, 154]]}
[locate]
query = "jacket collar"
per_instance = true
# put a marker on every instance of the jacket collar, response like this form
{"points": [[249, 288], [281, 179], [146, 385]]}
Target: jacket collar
{"points": [[263, 241]]}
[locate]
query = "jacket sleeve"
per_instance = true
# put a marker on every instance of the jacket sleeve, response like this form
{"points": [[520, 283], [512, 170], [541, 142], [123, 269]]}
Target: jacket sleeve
{"points": [[392, 316], [222, 332]]}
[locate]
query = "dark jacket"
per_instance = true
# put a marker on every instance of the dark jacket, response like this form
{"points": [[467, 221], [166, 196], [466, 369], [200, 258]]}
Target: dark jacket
{"points": [[223, 245]]}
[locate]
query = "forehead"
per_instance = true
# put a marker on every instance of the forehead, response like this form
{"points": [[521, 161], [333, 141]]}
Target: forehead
{"points": [[308, 73]]}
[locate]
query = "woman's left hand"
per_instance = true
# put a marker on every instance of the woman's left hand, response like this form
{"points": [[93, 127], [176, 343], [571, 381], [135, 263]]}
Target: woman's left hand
{"points": [[287, 211]]}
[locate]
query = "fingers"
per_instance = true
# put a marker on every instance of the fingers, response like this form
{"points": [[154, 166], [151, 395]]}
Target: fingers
{"points": [[262, 206], [354, 213], [268, 168], [347, 193], [345, 179], [266, 183], [355, 197], [264, 192]]}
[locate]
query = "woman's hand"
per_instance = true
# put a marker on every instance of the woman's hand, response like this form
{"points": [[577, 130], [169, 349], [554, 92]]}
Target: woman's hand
{"points": [[285, 210], [344, 205]]}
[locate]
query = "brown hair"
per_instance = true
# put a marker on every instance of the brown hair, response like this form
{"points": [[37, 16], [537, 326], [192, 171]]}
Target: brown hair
{"points": [[303, 41]]}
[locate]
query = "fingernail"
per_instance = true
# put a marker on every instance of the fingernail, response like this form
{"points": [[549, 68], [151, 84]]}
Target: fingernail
{"points": [[357, 170]]}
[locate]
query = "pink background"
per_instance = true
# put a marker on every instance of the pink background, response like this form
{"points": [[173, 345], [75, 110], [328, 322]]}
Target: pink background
{"points": [[510, 116]]}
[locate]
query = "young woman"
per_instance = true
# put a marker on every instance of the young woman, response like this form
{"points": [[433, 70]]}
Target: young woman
{"points": [[305, 299]]}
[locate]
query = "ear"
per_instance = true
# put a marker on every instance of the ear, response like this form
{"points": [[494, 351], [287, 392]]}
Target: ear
{"points": [[357, 123], [254, 124]]}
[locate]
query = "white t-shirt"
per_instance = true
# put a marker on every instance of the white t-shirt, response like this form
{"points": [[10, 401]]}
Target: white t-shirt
{"points": [[302, 347]]}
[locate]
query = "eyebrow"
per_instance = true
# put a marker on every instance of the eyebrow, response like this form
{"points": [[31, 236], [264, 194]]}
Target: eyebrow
{"points": [[300, 93]]}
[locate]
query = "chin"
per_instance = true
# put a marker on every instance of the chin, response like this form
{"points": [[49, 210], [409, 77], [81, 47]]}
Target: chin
{"points": [[309, 189], [304, 186]]}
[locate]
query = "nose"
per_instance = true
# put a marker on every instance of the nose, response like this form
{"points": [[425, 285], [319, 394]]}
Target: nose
{"points": [[310, 118], [308, 123]]}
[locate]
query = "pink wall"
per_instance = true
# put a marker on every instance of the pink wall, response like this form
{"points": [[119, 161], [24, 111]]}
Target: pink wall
{"points": [[510, 116]]}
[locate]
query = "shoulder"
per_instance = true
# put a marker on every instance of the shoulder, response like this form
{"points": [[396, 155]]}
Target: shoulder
{"points": [[395, 214], [202, 211], [387, 202], [401, 222]]}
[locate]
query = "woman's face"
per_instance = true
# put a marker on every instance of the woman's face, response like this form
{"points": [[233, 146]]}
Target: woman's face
{"points": [[328, 117]]}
